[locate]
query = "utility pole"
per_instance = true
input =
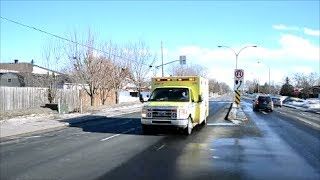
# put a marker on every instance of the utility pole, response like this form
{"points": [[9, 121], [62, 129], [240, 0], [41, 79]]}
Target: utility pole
{"points": [[162, 58]]}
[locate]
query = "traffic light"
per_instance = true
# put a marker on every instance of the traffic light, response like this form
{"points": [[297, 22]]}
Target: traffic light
{"points": [[182, 60]]}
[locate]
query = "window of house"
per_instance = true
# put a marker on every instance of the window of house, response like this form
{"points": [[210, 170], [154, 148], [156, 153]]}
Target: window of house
{"points": [[9, 80]]}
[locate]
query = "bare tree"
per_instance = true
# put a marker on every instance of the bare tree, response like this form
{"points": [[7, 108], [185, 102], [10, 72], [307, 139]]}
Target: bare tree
{"points": [[52, 53], [218, 87], [106, 84], [140, 58], [305, 83], [188, 70], [117, 70], [87, 67]]}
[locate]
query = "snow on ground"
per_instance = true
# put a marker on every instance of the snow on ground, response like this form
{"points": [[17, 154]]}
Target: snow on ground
{"points": [[310, 103], [125, 97]]}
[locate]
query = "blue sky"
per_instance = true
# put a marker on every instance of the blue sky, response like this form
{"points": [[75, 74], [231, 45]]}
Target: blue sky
{"points": [[286, 32]]}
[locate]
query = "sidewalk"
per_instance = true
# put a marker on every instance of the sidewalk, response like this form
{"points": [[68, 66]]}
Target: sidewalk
{"points": [[47, 122]]}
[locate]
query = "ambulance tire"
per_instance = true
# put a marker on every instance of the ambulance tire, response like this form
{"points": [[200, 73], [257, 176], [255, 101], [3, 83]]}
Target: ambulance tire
{"points": [[188, 129], [204, 122]]}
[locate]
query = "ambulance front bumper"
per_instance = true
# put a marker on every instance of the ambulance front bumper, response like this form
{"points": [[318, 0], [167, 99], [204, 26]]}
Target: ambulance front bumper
{"points": [[179, 123]]}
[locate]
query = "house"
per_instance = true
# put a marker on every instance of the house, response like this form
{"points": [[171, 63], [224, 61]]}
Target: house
{"points": [[11, 79], [23, 67], [23, 74], [316, 91]]}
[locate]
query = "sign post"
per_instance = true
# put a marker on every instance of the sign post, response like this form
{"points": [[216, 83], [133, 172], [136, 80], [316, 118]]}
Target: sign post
{"points": [[238, 84]]}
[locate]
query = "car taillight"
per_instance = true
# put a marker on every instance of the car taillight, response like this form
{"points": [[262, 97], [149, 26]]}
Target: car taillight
{"points": [[257, 102]]}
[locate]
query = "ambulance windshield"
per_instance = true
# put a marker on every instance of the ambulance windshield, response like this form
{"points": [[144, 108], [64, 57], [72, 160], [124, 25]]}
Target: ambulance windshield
{"points": [[170, 94]]}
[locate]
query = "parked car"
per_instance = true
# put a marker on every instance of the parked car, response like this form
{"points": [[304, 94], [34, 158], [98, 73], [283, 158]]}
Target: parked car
{"points": [[276, 101], [262, 102]]}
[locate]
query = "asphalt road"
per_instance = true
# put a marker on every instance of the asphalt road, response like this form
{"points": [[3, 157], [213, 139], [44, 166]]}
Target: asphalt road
{"points": [[267, 146]]}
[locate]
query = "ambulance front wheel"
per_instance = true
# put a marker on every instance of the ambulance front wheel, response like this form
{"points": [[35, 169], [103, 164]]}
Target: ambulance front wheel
{"points": [[188, 129]]}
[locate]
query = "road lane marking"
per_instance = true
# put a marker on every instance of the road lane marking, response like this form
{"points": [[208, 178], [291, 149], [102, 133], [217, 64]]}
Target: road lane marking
{"points": [[29, 137], [110, 137], [215, 157], [221, 124], [160, 147], [264, 112], [309, 123], [125, 123]]}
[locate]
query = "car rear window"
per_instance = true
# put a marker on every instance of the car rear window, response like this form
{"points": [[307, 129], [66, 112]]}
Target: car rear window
{"points": [[264, 98]]}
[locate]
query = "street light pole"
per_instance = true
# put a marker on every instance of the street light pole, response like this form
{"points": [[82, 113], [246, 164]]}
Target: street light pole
{"points": [[236, 53], [182, 60], [162, 57], [269, 75]]}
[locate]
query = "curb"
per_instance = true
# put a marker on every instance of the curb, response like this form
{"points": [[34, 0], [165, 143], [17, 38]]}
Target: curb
{"points": [[301, 108], [40, 131], [236, 115]]}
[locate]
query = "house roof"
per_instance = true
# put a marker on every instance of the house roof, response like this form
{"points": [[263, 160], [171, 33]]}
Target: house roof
{"points": [[19, 67], [22, 67]]}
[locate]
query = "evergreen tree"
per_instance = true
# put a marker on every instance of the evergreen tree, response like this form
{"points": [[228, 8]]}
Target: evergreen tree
{"points": [[287, 89]]}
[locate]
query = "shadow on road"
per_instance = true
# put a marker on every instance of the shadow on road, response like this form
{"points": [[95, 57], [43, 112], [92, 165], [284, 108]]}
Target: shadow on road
{"points": [[118, 125]]}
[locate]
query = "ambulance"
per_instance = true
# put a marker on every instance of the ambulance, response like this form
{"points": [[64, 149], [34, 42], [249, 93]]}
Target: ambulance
{"points": [[180, 102]]}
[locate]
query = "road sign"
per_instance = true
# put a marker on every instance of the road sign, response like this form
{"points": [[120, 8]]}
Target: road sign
{"points": [[238, 79], [237, 97], [238, 84], [238, 74]]}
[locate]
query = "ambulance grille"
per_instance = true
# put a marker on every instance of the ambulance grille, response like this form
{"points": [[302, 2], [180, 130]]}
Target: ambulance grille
{"points": [[162, 113]]}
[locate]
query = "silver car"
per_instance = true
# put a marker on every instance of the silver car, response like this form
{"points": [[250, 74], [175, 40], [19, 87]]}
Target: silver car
{"points": [[276, 101]]}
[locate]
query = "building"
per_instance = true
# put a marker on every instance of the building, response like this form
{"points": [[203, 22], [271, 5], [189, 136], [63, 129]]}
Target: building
{"points": [[23, 67], [316, 91], [11, 79], [24, 74]]}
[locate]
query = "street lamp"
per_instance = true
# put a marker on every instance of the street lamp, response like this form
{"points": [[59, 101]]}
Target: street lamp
{"points": [[269, 75], [237, 54]]}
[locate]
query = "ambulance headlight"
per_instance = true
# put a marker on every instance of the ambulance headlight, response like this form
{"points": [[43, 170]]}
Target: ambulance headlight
{"points": [[146, 113], [183, 113]]}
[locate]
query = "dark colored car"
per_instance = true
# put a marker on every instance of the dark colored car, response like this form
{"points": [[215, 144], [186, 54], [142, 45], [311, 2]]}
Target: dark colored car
{"points": [[262, 102]]}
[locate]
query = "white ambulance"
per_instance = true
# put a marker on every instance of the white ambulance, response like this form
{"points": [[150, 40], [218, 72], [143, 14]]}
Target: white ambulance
{"points": [[178, 102]]}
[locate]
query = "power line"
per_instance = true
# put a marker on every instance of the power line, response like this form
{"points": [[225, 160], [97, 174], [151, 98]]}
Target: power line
{"points": [[60, 37]]}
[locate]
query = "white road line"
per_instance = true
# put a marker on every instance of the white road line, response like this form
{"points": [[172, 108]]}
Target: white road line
{"points": [[110, 137], [125, 123], [31, 137], [264, 112], [117, 134], [221, 124], [160, 147], [215, 157]]}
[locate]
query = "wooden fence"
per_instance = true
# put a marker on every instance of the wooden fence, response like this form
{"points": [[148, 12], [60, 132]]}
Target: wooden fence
{"points": [[15, 98]]}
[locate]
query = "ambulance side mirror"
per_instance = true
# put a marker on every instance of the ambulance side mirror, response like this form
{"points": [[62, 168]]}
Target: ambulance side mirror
{"points": [[200, 98]]}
